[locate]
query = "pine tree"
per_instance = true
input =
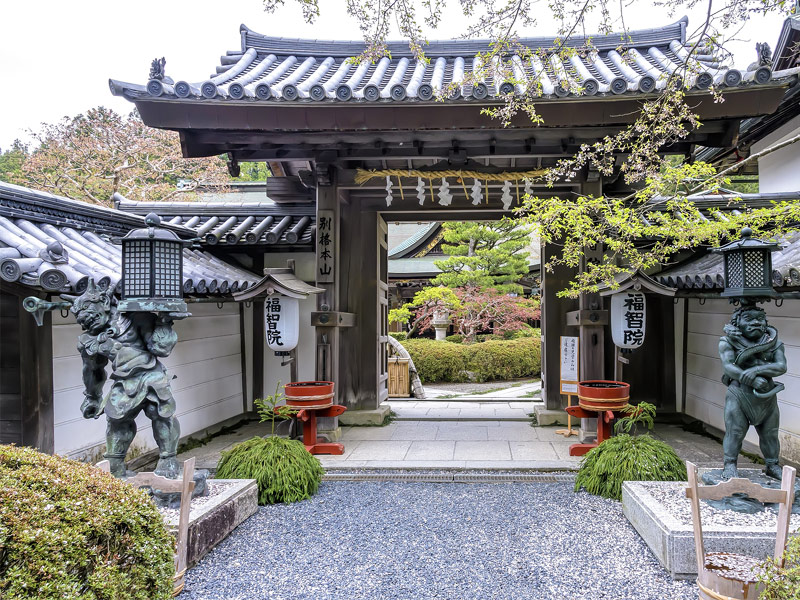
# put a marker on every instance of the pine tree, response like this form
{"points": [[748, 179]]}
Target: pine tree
{"points": [[484, 254]]}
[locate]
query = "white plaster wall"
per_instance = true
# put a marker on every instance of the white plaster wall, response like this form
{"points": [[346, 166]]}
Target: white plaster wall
{"points": [[306, 352], [207, 369], [777, 172], [705, 393]]}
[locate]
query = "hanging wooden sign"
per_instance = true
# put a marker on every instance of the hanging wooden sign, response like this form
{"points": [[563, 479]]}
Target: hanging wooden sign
{"points": [[628, 319], [326, 246], [569, 364]]}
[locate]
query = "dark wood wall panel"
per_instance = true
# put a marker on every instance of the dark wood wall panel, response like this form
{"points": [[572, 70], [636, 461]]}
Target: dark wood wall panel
{"points": [[10, 382]]}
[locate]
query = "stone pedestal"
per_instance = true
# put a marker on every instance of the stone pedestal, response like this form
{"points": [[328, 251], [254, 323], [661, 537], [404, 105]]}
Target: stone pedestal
{"points": [[366, 417], [672, 539]]}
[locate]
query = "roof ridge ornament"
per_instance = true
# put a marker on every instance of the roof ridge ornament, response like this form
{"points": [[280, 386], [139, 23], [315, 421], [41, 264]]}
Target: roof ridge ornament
{"points": [[157, 68]]}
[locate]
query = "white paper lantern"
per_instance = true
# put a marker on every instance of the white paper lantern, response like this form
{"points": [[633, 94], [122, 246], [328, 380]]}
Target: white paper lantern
{"points": [[281, 322], [628, 319]]}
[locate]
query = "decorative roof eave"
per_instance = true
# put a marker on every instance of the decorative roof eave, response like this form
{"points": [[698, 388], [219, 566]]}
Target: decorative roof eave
{"points": [[786, 51], [278, 281], [269, 69], [57, 245], [436, 48], [25, 203], [235, 223], [638, 281], [413, 242]]}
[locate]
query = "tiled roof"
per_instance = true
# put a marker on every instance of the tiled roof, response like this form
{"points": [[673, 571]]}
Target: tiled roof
{"points": [[414, 240], [271, 69], [707, 272], [57, 244], [230, 223]]}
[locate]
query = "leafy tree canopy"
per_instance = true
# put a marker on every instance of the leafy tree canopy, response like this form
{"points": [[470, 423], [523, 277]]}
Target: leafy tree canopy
{"points": [[94, 155], [484, 254], [11, 162]]}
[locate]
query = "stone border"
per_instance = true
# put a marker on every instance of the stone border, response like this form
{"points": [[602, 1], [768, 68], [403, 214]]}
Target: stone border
{"points": [[672, 541], [214, 520]]}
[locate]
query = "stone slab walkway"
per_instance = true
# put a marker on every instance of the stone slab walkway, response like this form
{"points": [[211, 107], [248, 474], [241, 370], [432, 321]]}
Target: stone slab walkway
{"points": [[487, 444]]}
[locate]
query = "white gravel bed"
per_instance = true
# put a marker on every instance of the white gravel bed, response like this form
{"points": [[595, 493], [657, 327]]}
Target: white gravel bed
{"points": [[407, 541], [171, 515], [673, 498]]}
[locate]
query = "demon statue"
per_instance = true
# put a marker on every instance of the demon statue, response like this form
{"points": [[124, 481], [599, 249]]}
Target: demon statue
{"points": [[752, 355], [133, 343]]}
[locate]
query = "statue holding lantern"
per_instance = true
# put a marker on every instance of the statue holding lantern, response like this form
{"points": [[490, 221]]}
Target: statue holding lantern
{"points": [[132, 334], [751, 354]]}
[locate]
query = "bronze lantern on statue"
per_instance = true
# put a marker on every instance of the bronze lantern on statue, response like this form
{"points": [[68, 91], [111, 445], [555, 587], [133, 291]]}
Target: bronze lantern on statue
{"points": [[748, 268], [152, 269]]}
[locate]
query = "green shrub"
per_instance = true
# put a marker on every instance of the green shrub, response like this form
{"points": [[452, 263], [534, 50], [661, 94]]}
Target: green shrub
{"points": [[283, 469], [437, 361], [526, 332], [456, 338], [497, 359], [782, 583], [505, 359], [398, 335], [70, 531], [626, 457]]}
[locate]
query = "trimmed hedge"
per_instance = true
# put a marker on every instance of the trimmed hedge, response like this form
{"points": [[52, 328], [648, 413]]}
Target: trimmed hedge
{"points": [[495, 359], [398, 335], [69, 531], [456, 338]]}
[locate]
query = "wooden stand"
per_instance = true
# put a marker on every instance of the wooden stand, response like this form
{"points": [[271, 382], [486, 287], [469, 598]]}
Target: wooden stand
{"points": [[568, 431], [309, 418], [603, 427]]}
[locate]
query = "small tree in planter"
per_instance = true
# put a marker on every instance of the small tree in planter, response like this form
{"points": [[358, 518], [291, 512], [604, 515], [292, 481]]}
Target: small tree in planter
{"points": [[627, 457], [283, 469]]}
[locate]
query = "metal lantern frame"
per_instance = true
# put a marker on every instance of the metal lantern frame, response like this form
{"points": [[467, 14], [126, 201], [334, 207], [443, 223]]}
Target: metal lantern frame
{"points": [[152, 269], [748, 267]]}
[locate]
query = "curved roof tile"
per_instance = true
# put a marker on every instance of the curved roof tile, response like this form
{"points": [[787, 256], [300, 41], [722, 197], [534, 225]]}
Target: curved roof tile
{"points": [[275, 69]]}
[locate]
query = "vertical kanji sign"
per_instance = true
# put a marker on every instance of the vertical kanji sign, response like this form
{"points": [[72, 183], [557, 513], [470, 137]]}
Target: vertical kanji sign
{"points": [[326, 246], [569, 364], [628, 319]]}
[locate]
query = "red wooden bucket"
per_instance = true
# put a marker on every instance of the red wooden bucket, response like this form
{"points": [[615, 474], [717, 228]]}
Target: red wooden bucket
{"points": [[309, 394], [601, 395]]}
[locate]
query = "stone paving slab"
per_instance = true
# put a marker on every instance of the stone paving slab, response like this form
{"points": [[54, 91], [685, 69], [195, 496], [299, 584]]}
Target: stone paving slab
{"points": [[446, 443], [470, 450]]}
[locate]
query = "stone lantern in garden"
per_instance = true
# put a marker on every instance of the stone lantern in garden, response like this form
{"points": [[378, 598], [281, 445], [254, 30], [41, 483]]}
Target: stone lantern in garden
{"points": [[441, 322]]}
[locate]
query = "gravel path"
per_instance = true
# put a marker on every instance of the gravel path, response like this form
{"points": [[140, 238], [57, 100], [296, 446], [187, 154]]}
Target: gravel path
{"points": [[477, 388], [419, 540]]}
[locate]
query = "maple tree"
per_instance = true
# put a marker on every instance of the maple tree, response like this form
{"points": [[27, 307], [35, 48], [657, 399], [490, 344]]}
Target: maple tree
{"points": [[471, 309]]}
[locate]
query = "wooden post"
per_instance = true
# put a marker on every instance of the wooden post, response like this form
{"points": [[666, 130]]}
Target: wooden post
{"points": [[359, 268], [259, 336], [592, 336], [327, 338], [554, 311]]}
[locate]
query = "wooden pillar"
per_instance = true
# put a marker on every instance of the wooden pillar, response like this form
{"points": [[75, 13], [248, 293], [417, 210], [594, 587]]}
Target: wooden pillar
{"points": [[554, 312], [259, 337], [359, 268], [592, 344], [327, 338], [26, 370]]}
